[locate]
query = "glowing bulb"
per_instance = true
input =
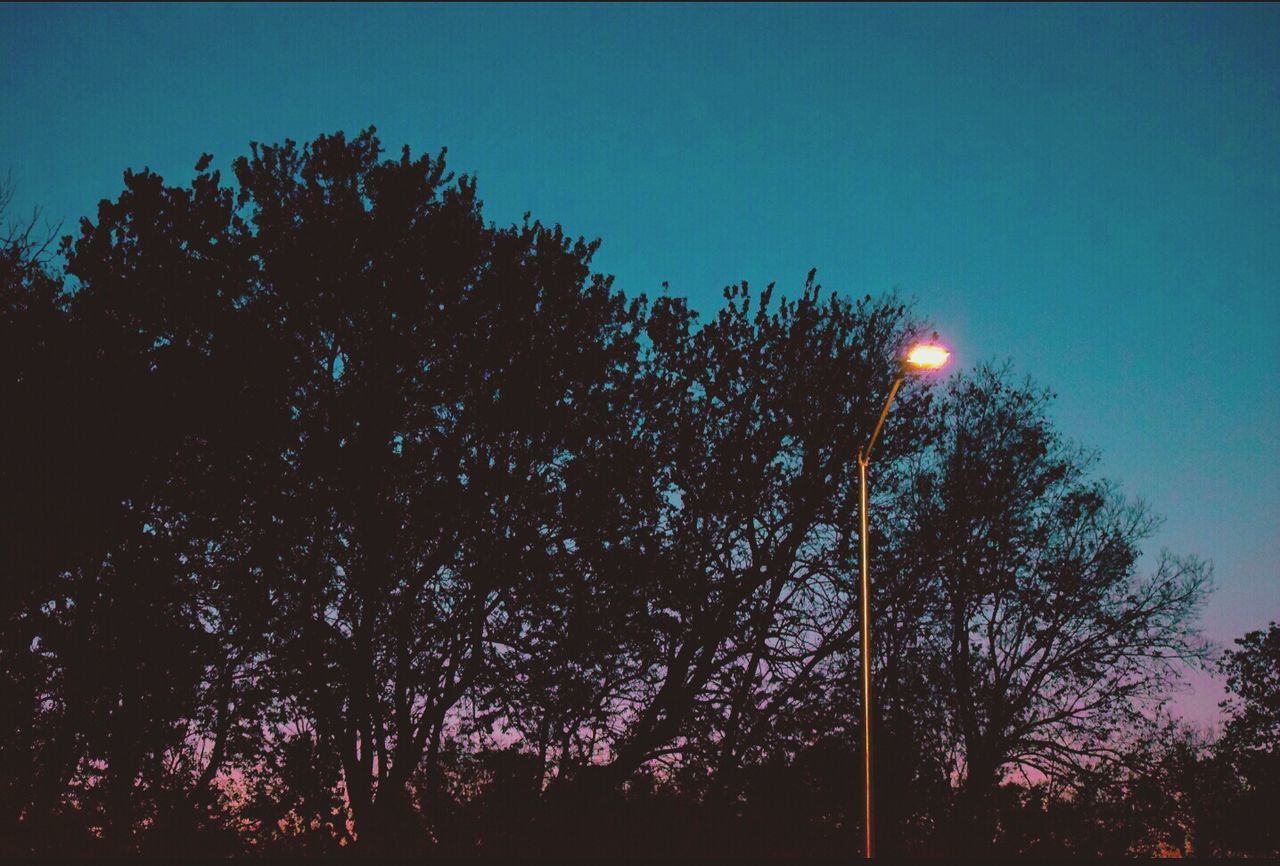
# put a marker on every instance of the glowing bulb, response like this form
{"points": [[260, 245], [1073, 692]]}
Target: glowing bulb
{"points": [[927, 356]]}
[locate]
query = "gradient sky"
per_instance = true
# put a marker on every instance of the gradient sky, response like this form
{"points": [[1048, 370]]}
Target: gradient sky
{"points": [[1092, 192]]}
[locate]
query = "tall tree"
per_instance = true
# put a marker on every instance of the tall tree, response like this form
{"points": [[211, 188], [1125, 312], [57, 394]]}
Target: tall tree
{"points": [[1250, 744], [144, 656], [748, 607], [445, 378], [1049, 637], [37, 469], [335, 515]]}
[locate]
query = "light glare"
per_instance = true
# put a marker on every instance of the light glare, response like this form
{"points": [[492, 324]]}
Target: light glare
{"points": [[927, 356]]}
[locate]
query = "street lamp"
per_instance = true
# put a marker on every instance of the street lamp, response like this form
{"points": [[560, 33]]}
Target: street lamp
{"points": [[920, 358]]}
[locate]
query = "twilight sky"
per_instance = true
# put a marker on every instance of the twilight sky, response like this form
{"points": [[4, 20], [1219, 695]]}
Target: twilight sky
{"points": [[1090, 192]]}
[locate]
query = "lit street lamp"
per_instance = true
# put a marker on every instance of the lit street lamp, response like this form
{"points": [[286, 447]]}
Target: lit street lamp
{"points": [[922, 357]]}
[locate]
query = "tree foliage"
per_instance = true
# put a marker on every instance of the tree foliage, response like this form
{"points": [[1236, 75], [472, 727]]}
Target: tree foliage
{"points": [[1048, 636], [337, 517]]}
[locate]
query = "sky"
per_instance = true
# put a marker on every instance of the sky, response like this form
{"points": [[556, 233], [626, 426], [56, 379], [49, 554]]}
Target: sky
{"points": [[1091, 193]]}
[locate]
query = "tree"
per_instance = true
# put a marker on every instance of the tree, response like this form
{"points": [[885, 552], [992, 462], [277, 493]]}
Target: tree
{"points": [[38, 351], [337, 516], [747, 612], [135, 465], [446, 380], [1250, 744], [1049, 638]]}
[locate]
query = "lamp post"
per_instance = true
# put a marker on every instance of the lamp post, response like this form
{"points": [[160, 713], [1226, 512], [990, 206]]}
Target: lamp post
{"points": [[921, 357]]}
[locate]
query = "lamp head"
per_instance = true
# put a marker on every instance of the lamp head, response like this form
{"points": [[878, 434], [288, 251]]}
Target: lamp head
{"points": [[924, 357]]}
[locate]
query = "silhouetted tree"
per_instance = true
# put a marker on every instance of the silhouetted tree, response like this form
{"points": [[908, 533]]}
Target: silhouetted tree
{"points": [[138, 446], [748, 605], [448, 383], [335, 517], [37, 470], [1050, 640], [1250, 744]]}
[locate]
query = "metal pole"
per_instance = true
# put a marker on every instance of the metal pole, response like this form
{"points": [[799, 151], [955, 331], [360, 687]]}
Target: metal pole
{"points": [[863, 458]]}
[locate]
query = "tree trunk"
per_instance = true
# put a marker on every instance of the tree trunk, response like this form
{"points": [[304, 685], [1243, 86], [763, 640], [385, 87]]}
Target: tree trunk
{"points": [[383, 825], [122, 769], [974, 826]]}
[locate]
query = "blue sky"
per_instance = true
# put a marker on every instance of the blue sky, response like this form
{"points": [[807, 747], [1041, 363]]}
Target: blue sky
{"points": [[1092, 192]]}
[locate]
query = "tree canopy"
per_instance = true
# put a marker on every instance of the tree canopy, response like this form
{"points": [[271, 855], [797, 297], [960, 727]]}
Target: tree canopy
{"points": [[338, 517]]}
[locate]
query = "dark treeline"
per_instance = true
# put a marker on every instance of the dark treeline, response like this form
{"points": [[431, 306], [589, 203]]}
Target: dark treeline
{"points": [[336, 518]]}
